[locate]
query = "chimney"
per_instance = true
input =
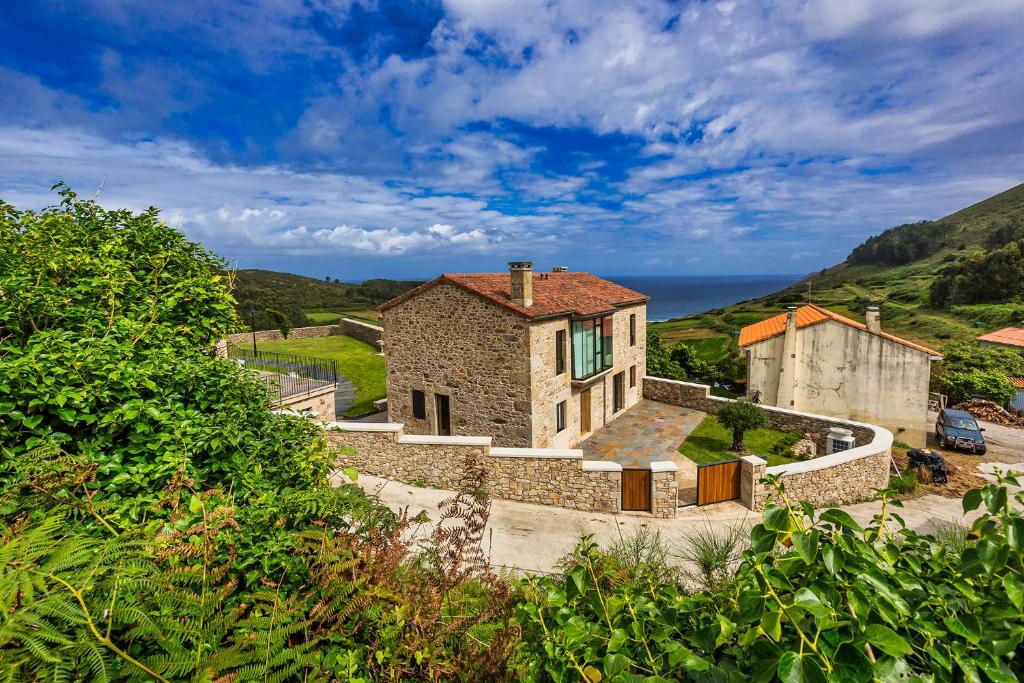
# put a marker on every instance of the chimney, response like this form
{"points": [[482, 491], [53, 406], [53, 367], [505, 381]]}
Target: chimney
{"points": [[874, 320], [521, 273], [786, 397], [560, 269]]}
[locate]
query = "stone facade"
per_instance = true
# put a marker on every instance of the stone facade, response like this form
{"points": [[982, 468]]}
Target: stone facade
{"points": [[320, 404], [836, 479], [558, 477], [835, 369], [498, 369], [548, 388], [446, 341]]}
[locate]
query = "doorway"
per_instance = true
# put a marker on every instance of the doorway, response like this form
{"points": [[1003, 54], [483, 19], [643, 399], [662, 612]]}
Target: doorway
{"points": [[444, 415], [584, 411]]}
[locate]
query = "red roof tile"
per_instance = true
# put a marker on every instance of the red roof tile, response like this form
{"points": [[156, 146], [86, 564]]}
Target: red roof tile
{"points": [[556, 293], [812, 315], [1017, 382], [1008, 336]]}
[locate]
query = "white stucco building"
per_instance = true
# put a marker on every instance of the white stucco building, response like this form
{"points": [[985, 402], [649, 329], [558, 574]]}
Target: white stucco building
{"points": [[814, 360]]}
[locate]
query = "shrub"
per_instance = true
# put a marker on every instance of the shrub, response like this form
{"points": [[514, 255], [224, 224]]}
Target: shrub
{"points": [[740, 417], [904, 483], [714, 553]]}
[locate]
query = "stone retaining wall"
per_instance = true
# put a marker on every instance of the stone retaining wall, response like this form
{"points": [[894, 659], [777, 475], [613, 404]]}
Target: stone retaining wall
{"points": [[320, 403], [544, 476], [837, 479], [557, 477]]}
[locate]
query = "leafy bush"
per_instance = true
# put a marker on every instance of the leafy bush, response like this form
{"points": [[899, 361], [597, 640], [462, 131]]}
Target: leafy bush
{"points": [[784, 446], [991, 384], [816, 597], [992, 276], [740, 417], [903, 483], [901, 244]]}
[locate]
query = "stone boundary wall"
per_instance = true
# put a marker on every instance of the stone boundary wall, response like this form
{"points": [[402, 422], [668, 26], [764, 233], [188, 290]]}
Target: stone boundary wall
{"points": [[837, 479], [321, 403], [543, 476], [371, 334], [275, 335]]}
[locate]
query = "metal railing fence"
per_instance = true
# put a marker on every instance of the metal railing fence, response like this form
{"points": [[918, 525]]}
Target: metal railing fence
{"points": [[288, 376]]}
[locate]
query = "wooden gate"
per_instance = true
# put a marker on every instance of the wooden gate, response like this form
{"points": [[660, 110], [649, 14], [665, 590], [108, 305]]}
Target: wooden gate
{"points": [[636, 490], [716, 482]]}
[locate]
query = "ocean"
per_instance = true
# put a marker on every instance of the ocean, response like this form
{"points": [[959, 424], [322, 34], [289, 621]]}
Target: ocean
{"points": [[674, 296]]}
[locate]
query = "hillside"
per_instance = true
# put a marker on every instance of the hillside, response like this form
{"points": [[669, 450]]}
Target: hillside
{"points": [[309, 301], [975, 254]]}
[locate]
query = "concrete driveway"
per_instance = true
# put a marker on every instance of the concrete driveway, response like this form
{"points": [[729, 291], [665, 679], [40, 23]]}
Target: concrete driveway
{"points": [[534, 538]]}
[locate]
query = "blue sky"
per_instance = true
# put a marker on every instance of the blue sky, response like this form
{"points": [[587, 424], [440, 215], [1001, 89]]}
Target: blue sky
{"points": [[401, 139]]}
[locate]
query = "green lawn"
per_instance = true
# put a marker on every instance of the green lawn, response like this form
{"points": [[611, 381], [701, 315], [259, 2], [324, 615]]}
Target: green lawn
{"points": [[322, 317], [710, 441], [366, 315], [357, 361]]}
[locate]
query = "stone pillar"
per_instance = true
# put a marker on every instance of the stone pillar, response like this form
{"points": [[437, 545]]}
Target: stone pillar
{"points": [[752, 492], [786, 397], [664, 489]]}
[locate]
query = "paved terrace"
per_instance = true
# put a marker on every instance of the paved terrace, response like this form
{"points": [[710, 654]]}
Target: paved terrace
{"points": [[649, 432]]}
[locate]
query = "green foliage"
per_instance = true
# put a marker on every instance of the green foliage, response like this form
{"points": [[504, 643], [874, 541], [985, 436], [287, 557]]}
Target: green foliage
{"points": [[740, 417], [904, 483], [965, 384], [816, 597], [902, 244], [784, 446], [659, 360], [272, 294], [710, 442], [993, 276], [691, 364], [714, 552]]}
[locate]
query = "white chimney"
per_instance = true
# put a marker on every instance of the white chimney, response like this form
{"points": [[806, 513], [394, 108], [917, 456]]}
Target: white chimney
{"points": [[521, 273], [786, 397], [874, 320]]}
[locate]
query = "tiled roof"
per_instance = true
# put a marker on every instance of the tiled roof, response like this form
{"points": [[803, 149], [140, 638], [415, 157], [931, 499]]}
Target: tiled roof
{"points": [[812, 315], [1010, 336], [1017, 382], [556, 293]]}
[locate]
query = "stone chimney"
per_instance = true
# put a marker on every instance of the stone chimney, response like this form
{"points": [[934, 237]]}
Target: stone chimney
{"points": [[874, 320], [560, 269], [521, 273]]}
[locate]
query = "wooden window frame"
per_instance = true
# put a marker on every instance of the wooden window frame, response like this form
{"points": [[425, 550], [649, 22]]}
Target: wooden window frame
{"points": [[632, 377], [560, 416]]}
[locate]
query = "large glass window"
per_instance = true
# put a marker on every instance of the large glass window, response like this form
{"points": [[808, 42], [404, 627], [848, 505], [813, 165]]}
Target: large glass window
{"points": [[591, 346]]}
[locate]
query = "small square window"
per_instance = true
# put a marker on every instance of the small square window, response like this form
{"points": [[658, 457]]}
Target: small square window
{"points": [[560, 417], [419, 404], [632, 377]]}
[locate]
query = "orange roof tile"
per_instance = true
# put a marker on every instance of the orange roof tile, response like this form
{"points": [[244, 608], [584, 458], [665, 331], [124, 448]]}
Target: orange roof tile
{"points": [[1017, 382], [1008, 336], [812, 315], [556, 293]]}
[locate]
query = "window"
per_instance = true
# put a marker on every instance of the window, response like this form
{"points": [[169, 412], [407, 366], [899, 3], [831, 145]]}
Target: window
{"points": [[419, 404], [560, 417], [559, 352], [591, 346], [632, 329], [618, 392], [632, 377]]}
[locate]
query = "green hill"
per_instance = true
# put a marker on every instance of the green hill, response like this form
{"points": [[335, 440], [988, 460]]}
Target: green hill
{"points": [[936, 281], [309, 301]]}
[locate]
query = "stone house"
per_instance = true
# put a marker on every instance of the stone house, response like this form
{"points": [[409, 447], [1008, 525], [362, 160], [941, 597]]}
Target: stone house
{"points": [[534, 360], [814, 360]]}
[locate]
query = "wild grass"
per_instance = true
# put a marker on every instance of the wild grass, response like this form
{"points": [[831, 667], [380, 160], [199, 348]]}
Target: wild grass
{"points": [[710, 554]]}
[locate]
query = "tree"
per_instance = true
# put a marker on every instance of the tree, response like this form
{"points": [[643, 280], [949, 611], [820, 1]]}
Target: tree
{"points": [[740, 417]]}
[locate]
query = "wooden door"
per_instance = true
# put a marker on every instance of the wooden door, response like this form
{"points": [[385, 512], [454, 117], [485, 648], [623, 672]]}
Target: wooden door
{"points": [[718, 481], [636, 490], [584, 411], [444, 415]]}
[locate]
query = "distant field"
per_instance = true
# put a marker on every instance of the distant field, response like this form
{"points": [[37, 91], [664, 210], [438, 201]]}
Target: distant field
{"points": [[322, 317], [357, 361], [710, 349]]}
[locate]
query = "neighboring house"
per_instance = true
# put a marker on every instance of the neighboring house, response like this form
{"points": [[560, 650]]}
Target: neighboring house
{"points": [[537, 360], [1010, 337], [1017, 402], [811, 359]]}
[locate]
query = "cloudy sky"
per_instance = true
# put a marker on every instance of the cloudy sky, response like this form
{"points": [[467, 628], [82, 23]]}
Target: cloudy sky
{"points": [[360, 139]]}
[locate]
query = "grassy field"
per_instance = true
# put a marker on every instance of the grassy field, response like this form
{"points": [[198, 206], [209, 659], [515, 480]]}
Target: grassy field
{"points": [[357, 361], [710, 441], [366, 315]]}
